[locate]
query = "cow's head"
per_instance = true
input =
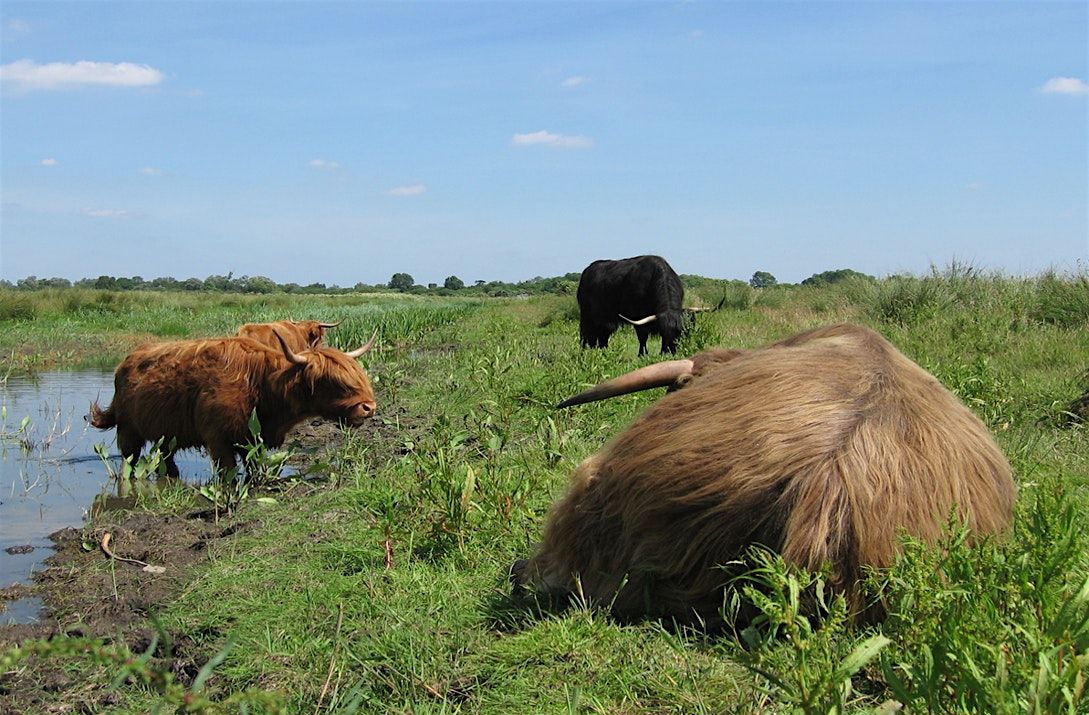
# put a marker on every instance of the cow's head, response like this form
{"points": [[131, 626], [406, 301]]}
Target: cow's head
{"points": [[336, 386]]}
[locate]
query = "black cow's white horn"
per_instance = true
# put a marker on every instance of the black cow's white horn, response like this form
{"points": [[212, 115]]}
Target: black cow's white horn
{"points": [[641, 321], [660, 374]]}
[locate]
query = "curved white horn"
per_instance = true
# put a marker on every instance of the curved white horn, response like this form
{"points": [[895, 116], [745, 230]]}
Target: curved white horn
{"points": [[641, 321], [660, 374], [329, 325], [359, 352], [291, 356]]}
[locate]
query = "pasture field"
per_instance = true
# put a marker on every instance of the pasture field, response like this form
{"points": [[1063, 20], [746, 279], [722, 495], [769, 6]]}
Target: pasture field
{"points": [[379, 584]]}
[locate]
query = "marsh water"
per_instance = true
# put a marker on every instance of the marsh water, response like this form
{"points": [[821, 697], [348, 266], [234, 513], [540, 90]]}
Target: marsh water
{"points": [[50, 474]]}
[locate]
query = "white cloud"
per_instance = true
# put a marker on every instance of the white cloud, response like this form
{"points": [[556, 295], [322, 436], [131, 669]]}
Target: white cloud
{"points": [[17, 27], [49, 162], [1065, 85], [324, 164], [549, 139], [574, 81], [27, 74], [411, 190], [972, 186], [107, 213], [151, 171]]}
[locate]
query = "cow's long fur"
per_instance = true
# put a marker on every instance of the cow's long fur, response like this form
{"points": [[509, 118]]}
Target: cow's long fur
{"points": [[298, 334], [634, 288], [200, 393], [823, 446]]}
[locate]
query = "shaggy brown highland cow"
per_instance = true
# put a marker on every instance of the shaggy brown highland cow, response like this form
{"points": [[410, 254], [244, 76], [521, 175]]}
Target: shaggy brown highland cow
{"points": [[200, 393], [298, 334], [823, 446]]}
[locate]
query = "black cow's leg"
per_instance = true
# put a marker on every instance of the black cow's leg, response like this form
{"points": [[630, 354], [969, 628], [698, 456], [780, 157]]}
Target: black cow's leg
{"points": [[642, 333]]}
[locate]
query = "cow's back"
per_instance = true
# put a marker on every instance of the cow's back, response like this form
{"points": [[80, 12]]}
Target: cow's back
{"points": [[179, 390], [634, 287]]}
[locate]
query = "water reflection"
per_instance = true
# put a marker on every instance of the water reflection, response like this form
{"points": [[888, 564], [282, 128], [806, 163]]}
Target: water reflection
{"points": [[50, 476]]}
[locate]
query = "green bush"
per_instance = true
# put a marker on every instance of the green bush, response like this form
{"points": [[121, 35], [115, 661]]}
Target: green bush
{"points": [[1062, 302], [16, 306]]}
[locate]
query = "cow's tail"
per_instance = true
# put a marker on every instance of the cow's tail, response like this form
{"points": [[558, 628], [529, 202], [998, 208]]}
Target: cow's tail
{"points": [[102, 418]]}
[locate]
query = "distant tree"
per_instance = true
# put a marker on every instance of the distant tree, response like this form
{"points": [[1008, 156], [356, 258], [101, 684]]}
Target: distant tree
{"points": [[762, 279], [258, 284], [105, 283], [218, 283], [479, 283], [401, 282], [28, 283], [453, 283], [134, 283], [165, 283], [54, 283], [835, 276]]}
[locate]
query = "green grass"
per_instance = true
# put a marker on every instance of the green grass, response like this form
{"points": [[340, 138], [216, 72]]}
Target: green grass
{"points": [[388, 592]]}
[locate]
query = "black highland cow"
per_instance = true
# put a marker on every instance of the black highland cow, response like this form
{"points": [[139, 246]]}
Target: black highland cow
{"points": [[645, 291]]}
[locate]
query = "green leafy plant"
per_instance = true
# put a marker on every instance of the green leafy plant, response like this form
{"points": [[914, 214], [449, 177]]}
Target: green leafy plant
{"points": [[148, 465], [227, 490], [992, 627], [799, 641], [145, 670]]}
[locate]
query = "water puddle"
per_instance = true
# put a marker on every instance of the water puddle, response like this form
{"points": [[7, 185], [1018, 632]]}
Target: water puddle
{"points": [[50, 475]]}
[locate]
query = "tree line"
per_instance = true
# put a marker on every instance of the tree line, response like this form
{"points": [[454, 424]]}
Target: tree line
{"points": [[398, 283]]}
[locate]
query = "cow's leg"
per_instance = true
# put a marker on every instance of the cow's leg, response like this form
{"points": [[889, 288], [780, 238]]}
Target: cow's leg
{"points": [[171, 466], [642, 332], [587, 334], [222, 453], [130, 443]]}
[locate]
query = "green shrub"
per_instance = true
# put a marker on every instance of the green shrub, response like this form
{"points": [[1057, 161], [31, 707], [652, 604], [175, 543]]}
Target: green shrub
{"points": [[994, 627], [906, 300], [16, 306], [1062, 302], [800, 642]]}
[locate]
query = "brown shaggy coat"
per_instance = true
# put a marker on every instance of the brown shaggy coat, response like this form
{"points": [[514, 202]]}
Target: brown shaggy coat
{"points": [[822, 446], [200, 393], [298, 334]]}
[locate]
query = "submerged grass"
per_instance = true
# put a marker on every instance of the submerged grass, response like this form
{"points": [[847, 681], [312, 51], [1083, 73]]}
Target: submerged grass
{"points": [[388, 591]]}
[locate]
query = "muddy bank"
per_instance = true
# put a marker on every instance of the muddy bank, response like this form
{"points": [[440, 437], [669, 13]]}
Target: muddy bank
{"points": [[88, 594]]}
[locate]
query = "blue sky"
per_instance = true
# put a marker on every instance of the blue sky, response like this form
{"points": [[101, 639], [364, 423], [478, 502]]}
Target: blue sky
{"points": [[343, 142]]}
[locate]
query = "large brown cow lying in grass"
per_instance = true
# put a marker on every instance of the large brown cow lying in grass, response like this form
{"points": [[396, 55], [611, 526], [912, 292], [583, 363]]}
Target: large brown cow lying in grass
{"points": [[298, 334], [823, 446], [200, 393]]}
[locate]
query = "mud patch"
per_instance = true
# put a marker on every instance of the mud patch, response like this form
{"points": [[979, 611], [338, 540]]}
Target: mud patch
{"points": [[87, 594]]}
